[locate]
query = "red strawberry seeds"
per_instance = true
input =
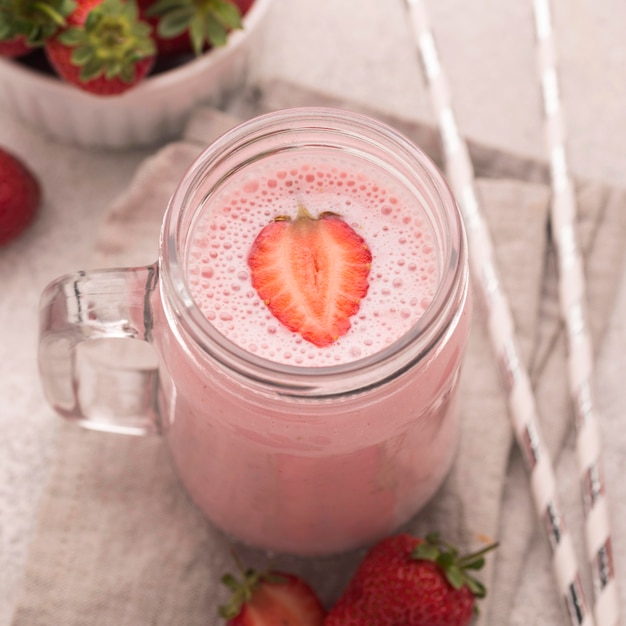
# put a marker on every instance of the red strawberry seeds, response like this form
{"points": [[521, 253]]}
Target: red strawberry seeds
{"points": [[405, 581], [311, 273], [20, 194]]}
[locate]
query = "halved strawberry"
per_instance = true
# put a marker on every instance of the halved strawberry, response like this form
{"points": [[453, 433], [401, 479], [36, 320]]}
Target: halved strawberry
{"points": [[311, 273], [270, 599]]}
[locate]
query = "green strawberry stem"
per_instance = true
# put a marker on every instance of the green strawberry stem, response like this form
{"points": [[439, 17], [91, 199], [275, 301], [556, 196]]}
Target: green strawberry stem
{"points": [[54, 16], [454, 567], [303, 214], [35, 21], [243, 588], [208, 22], [111, 42]]}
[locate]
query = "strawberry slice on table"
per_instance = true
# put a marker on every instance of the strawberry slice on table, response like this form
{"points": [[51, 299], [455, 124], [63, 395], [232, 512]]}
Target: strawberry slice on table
{"points": [[271, 599], [27, 24], [106, 49], [312, 273], [408, 581]]}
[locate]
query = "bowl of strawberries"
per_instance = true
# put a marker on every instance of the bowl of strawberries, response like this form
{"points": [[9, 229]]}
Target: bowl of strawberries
{"points": [[123, 73]]}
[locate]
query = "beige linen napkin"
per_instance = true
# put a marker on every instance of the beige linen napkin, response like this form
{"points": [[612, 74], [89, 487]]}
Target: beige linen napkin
{"points": [[118, 543]]}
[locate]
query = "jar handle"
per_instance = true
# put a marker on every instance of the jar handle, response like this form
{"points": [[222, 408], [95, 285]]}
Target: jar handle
{"points": [[89, 375]]}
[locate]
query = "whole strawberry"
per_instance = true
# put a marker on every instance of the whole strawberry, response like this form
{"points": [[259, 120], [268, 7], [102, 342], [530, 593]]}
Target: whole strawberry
{"points": [[406, 581], [271, 599], [20, 195], [192, 26], [106, 49], [27, 24]]}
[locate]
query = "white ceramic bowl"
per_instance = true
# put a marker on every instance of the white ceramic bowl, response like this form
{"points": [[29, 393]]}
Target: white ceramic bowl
{"points": [[150, 113]]}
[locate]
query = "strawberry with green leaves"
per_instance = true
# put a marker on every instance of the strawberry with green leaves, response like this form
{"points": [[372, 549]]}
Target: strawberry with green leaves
{"points": [[312, 273], [192, 26], [106, 48], [406, 581], [27, 24], [270, 599]]}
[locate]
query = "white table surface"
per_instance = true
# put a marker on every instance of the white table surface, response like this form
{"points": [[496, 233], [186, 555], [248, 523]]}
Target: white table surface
{"points": [[357, 49]]}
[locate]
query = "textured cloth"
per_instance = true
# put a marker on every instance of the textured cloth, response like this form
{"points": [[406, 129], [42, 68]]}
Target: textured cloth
{"points": [[119, 543]]}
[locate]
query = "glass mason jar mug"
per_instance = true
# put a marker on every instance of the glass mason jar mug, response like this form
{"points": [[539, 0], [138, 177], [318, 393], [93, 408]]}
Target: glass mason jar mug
{"points": [[283, 444]]}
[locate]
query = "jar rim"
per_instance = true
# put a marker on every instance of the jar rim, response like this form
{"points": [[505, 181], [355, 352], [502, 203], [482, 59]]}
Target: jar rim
{"points": [[297, 380]]}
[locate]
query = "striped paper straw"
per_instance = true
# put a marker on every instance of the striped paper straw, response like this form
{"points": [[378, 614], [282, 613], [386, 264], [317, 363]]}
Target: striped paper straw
{"points": [[521, 400], [574, 313]]}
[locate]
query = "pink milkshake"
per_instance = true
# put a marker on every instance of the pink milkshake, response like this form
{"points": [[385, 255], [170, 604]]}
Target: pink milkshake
{"points": [[285, 444], [308, 312]]}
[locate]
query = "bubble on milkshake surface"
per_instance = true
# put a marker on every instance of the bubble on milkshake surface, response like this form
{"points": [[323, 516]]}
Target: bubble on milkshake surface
{"points": [[355, 352], [252, 186]]}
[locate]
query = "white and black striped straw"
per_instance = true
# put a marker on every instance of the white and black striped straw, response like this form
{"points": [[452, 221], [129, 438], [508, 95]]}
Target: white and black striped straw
{"points": [[574, 313], [500, 326]]}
